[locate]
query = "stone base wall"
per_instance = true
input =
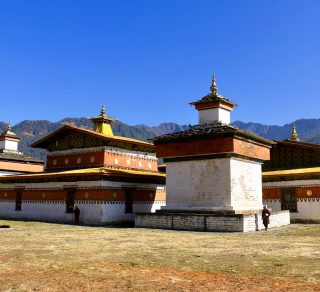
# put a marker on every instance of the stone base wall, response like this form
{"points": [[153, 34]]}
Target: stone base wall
{"points": [[209, 222]]}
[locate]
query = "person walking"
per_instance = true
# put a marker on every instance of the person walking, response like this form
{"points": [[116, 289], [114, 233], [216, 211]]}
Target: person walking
{"points": [[76, 213], [266, 217]]}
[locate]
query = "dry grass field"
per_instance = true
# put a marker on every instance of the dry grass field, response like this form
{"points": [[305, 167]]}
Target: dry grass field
{"points": [[52, 257]]}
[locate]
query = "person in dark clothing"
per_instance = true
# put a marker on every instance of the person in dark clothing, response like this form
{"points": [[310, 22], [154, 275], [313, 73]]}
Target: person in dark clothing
{"points": [[76, 213], [265, 217]]}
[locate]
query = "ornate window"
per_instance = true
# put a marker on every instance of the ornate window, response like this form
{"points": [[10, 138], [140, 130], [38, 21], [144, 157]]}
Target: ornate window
{"points": [[289, 200]]}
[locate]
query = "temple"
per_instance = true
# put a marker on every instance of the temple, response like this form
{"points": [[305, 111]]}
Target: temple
{"points": [[213, 173], [108, 177], [218, 177], [11, 160], [291, 178]]}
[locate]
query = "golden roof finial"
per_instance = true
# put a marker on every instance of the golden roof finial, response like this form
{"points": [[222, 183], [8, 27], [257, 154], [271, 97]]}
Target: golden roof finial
{"points": [[8, 133], [9, 127], [213, 86], [102, 123], [103, 111], [294, 135]]}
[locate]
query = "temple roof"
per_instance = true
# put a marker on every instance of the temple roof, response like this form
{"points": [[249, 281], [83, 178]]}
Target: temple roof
{"points": [[213, 96], [99, 171], [292, 172], [298, 143], [216, 129], [42, 143], [16, 157]]}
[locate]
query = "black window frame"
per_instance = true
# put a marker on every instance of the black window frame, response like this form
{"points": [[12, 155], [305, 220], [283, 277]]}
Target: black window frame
{"points": [[289, 200]]}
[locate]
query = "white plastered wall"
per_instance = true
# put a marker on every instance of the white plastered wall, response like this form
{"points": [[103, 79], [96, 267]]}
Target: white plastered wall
{"points": [[274, 205], [9, 145], [198, 184], [246, 185], [214, 114], [92, 212], [308, 208], [214, 184]]}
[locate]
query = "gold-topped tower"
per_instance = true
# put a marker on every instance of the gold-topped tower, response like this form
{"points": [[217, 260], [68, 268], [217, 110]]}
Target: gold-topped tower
{"points": [[102, 123], [213, 86], [213, 107], [8, 133], [294, 135]]}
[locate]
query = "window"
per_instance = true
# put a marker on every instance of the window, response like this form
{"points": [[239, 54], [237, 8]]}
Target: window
{"points": [[128, 201], [70, 200], [18, 199], [289, 200]]}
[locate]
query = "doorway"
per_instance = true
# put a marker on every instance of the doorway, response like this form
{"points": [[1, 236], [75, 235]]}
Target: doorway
{"points": [[128, 201]]}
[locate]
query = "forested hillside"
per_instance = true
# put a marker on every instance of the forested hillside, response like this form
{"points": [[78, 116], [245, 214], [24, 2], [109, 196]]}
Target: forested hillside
{"points": [[29, 131]]}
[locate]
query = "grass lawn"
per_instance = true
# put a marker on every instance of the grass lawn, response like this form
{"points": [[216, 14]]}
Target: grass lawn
{"points": [[54, 257]]}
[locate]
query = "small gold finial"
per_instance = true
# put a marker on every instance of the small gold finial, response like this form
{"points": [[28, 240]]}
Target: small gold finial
{"points": [[102, 123], [9, 127], [214, 87], [294, 135], [103, 111]]}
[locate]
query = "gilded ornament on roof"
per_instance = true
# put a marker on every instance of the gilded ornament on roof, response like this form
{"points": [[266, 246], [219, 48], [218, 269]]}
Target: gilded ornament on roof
{"points": [[294, 135]]}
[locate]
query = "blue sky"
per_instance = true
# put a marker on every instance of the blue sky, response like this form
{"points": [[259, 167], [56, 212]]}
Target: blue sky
{"points": [[146, 60]]}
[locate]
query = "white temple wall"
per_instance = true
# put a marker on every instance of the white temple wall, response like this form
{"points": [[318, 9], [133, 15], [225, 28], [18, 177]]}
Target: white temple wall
{"points": [[91, 212], [32, 210], [198, 184], [9, 145], [307, 210], [214, 114], [246, 185], [274, 205], [213, 184], [114, 212]]}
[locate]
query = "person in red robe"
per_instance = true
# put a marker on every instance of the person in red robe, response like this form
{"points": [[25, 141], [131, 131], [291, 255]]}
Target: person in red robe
{"points": [[76, 213], [265, 217]]}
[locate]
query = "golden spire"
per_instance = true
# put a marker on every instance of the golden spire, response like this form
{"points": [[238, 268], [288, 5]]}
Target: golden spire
{"points": [[9, 127], [103, 111], [213, 86], [294, 135], [102, 123], [8, 132]]}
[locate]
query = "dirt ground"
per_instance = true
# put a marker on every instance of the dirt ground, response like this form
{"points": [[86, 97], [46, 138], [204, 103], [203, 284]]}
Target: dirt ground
{"points": [[55, 257]]}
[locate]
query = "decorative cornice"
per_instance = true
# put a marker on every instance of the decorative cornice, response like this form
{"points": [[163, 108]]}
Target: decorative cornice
{"points": [[107, 149], [291, 186], [212, 156]]}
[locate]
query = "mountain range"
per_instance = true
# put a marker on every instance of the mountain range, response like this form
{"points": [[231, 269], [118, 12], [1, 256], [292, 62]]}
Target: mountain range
{"points": [[29, 131]]}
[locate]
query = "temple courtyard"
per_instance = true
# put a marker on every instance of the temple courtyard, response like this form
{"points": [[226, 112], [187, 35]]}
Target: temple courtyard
{"points": [[55, 257]]}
